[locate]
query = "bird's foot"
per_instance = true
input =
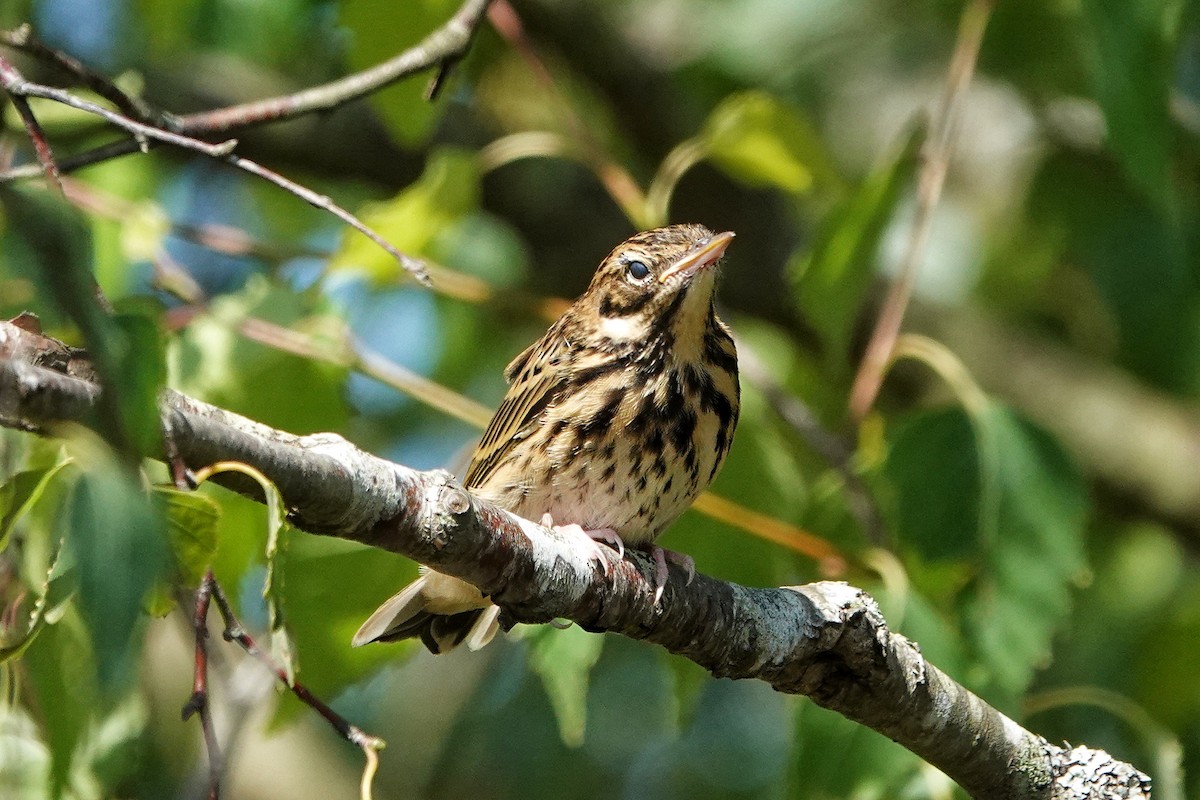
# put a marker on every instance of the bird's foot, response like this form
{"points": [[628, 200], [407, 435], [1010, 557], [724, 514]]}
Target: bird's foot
{"points": [[593, 539], [661, 556]]}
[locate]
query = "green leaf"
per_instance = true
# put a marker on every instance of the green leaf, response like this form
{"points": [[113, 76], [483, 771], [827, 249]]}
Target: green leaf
{"points": [[61, 669], [993, 490], [20, 494], [192, 534], [192, 529], [115, 534], [564, 660], [447, 191], [759, 140], [832, 277], [1133, 71], [59, 586]]}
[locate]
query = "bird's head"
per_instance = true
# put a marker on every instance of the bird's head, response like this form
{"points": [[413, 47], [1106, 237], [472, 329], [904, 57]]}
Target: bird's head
{"points": [[656, 282]]}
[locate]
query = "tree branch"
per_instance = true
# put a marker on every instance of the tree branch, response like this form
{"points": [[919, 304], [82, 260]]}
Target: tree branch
{"points": [[824, 640]]}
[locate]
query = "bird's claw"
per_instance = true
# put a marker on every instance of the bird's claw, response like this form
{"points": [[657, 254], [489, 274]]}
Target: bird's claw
{"points": [[593, 539], [661, 556]]}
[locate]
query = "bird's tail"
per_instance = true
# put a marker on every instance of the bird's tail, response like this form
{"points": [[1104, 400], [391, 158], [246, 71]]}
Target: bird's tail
{"points": [[443, 611]]}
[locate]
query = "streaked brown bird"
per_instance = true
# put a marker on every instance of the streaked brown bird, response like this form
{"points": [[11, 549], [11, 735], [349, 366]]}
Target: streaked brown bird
{"points": [[614, 422]]}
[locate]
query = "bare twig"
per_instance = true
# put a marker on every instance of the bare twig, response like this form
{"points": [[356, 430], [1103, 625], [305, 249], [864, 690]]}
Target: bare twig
{"points": [[235, 632], [414, 266], [16, 85], [446, 44], [22, 39], [198, 702], [936, 159], [12, 81]]}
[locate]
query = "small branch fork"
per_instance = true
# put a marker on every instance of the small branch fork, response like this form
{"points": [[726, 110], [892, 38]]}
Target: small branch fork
{"points": [[825, 640], [208, 592], [442, 49]]}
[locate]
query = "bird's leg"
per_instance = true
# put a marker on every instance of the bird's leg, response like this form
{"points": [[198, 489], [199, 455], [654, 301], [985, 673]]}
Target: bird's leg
{"points": [[661, 556], [593, 539]]}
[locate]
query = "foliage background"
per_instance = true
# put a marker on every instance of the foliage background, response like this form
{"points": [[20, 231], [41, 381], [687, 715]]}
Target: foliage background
{"points": [[1025, 564]]}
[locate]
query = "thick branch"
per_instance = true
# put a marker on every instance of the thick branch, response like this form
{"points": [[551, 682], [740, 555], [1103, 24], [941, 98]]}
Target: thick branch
{"points": [[825, 640]]}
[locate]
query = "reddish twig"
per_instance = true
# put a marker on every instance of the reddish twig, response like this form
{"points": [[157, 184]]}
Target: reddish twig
{"points": [[198, 702], [234, 632], [12, 81], [936, 160]]}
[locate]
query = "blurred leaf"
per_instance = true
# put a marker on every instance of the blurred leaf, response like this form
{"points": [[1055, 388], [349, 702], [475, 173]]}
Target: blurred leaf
{"points": [[382, 29], [836, 757], [1134, 64], [993, 487], [1135, 255], [564, 660], [20, 493], [212, 361], [758, 139], [831, 276], [126, 349], [62, 672], [116, 535], [447, 191], [25, 768], [933, 468]]}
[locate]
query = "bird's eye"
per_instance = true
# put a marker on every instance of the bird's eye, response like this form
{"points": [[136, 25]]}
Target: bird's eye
{"points": [[637, 270]]}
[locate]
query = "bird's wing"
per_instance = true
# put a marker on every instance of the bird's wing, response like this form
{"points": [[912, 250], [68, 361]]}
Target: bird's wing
{"points": [[536, 377]]}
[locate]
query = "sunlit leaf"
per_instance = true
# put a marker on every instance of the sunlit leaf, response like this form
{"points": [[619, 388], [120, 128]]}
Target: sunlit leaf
{"points": [[447, 191], [758, 139], [564, 660], [20, 493]]}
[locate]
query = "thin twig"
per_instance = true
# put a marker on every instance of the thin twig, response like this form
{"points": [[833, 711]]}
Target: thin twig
{"points": [[936, 160], [234, 632], [23, 39], [12, 80], [446, 44], [414, 266], [17, 86], [198, 702]]}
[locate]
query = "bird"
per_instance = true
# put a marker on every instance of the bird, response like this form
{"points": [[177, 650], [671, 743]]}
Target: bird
{"points": [[614, 422]]}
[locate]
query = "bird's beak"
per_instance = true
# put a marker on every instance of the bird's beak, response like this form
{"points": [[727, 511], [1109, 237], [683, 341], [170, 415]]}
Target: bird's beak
{"points": [[699, 257]]}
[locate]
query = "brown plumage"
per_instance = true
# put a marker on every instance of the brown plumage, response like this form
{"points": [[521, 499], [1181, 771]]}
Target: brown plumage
{"points": [[615, 421]]}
